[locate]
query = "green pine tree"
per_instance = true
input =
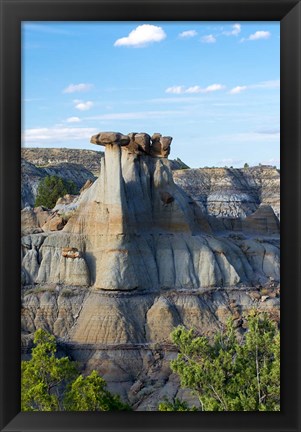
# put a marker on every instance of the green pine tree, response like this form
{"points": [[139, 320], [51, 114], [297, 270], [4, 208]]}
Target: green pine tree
{"points": [[51, 188], [50, 383], [229, 375], [90, 394]]}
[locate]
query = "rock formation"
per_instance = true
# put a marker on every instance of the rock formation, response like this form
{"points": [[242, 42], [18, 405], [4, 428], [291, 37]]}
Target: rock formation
{"points": [[137, 257], [231, 192]]}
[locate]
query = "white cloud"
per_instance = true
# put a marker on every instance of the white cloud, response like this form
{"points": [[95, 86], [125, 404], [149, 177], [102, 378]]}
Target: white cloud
{"points": [[188, 34], [260, 34], [57, 134], [73, 120], [208, 39], [236, 29], [142, 36], [194, 89], [238, 89], [213, 87], [175, 90], [82, 87], [83, 106], [272, 84]]}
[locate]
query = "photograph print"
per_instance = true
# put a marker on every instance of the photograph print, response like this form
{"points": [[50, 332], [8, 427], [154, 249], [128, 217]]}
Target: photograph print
{"points": [[150, 216]]}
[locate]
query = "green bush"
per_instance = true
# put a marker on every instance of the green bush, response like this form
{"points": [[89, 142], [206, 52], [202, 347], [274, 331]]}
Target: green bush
{"points": [[176, 405], [49, 383], [51, 188], [228, 374]]}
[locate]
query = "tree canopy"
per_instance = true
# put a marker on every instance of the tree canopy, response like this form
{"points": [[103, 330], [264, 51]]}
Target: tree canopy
{"points": [[51, 188], [50, 383], [228, 374]]}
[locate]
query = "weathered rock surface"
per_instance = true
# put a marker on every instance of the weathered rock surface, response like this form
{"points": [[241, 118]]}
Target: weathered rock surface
{"points": [[126, 336], [33, 219], [54, 223], [137, 257], [232, 193], [44, 157]]}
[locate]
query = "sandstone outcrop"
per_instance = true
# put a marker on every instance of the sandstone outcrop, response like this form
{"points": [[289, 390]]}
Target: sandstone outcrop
{"points": [[137, 257], [54, 223]]}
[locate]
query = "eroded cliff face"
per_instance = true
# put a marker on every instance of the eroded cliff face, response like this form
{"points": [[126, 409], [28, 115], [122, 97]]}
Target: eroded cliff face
{"points": [[51, 157], [136, 258], [232, 192], [125, 335]]}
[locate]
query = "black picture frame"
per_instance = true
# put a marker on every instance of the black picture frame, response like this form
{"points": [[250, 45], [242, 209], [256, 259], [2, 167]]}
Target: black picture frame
{"points": [[13, 12]]}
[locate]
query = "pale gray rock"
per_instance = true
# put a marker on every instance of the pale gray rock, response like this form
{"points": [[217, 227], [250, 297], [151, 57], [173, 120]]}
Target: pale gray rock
{"points": [[30, 264], [231, 193]]}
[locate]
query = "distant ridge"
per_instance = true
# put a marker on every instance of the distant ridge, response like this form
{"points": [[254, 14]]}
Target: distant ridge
{"points": [[44, 157]]}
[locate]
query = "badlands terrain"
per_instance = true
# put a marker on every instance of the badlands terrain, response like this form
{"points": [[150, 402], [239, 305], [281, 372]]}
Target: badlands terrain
{"points": [[147, 244]]}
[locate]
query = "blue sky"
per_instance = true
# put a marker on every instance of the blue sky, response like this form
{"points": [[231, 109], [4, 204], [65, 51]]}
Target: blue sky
{"points": [[212, 86]]}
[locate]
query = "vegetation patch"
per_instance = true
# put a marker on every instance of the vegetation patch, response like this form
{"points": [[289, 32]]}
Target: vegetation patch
{"points": [[51, 188]]}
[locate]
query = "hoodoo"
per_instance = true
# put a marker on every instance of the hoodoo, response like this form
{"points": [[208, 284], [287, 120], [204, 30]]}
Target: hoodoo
{"points": [[137, 230], [140, 256]]}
